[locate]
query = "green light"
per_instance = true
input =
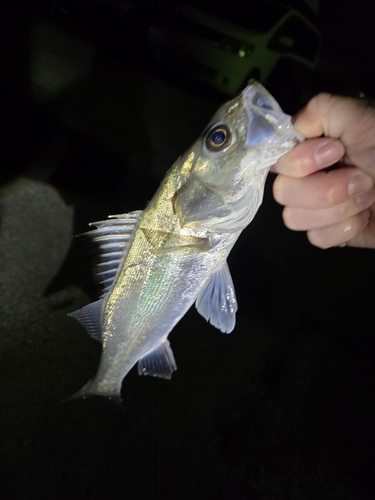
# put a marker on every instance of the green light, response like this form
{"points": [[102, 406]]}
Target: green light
{"points": [[241, 53]]}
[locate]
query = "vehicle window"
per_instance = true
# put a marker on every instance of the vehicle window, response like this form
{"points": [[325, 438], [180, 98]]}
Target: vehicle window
{"points": [[199, 30], [265, 15], [296, 37]]}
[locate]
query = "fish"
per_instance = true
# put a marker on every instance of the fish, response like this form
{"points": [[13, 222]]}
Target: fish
{"points": [[157, 262]]}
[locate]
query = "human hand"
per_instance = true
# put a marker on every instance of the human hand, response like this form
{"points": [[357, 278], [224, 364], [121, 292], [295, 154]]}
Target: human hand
{"points": [[336, 207]]}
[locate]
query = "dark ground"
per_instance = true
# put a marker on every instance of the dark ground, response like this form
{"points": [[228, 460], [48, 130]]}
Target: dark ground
{"points": [[281, 409]]}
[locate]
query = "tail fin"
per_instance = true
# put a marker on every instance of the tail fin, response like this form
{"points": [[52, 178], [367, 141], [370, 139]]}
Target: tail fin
{"points": [[91, 389]]}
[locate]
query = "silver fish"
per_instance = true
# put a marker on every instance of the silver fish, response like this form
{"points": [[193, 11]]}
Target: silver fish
{"points": [[157, 262]]}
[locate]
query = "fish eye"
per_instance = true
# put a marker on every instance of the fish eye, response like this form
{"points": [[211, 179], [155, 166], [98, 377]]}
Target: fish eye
{"points": [[261, 101], [218, 138]]}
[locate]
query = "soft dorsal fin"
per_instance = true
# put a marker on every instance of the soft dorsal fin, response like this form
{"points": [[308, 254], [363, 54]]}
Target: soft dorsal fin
{"points": [[217, 303], [113, 238], [158, 362]]}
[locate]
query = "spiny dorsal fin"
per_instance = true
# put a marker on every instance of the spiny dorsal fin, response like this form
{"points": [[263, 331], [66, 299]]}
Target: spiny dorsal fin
{"points": [[113, 238], [217, 302]]}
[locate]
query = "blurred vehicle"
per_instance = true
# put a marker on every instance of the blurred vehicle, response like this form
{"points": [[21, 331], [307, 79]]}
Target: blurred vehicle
{"points": [[222, 46]]}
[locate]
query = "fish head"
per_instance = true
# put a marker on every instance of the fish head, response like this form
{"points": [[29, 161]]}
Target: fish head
{"points": [[230, 161]]}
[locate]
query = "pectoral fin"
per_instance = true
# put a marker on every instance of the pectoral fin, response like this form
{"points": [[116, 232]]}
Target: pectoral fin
{"points": [[217, 302], [159, 362]]}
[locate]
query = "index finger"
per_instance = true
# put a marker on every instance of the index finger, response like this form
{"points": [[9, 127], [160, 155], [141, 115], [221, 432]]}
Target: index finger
{"points": [[327, 114], [309, 157], [311, 120]]}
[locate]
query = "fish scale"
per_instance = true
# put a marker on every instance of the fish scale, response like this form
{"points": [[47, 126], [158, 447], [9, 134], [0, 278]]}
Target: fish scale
{"points": [[156, 263]]}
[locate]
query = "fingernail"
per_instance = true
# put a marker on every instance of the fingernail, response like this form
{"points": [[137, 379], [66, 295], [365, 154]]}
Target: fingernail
{"points": [[366, 215], [365, 199], [328, 153], [358, 184]]}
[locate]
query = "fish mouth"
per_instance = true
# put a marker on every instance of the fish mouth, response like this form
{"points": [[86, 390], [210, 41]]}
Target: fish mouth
{"points": [[288, 131], [266, 118], [270, 141]]}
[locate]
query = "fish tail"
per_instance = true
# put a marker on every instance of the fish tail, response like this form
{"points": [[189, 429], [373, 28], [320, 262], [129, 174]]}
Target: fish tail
{"points": [[91, 389]]}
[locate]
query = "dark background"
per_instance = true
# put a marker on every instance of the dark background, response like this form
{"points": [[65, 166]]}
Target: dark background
{"points": [[283, 408]]}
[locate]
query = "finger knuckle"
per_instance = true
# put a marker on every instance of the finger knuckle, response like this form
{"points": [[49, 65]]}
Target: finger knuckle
{"points": [[331, 194], [305, 162], [320, 101]]}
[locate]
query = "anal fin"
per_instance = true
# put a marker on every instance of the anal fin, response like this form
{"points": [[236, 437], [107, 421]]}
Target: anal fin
{"points": [[159, 362]]}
